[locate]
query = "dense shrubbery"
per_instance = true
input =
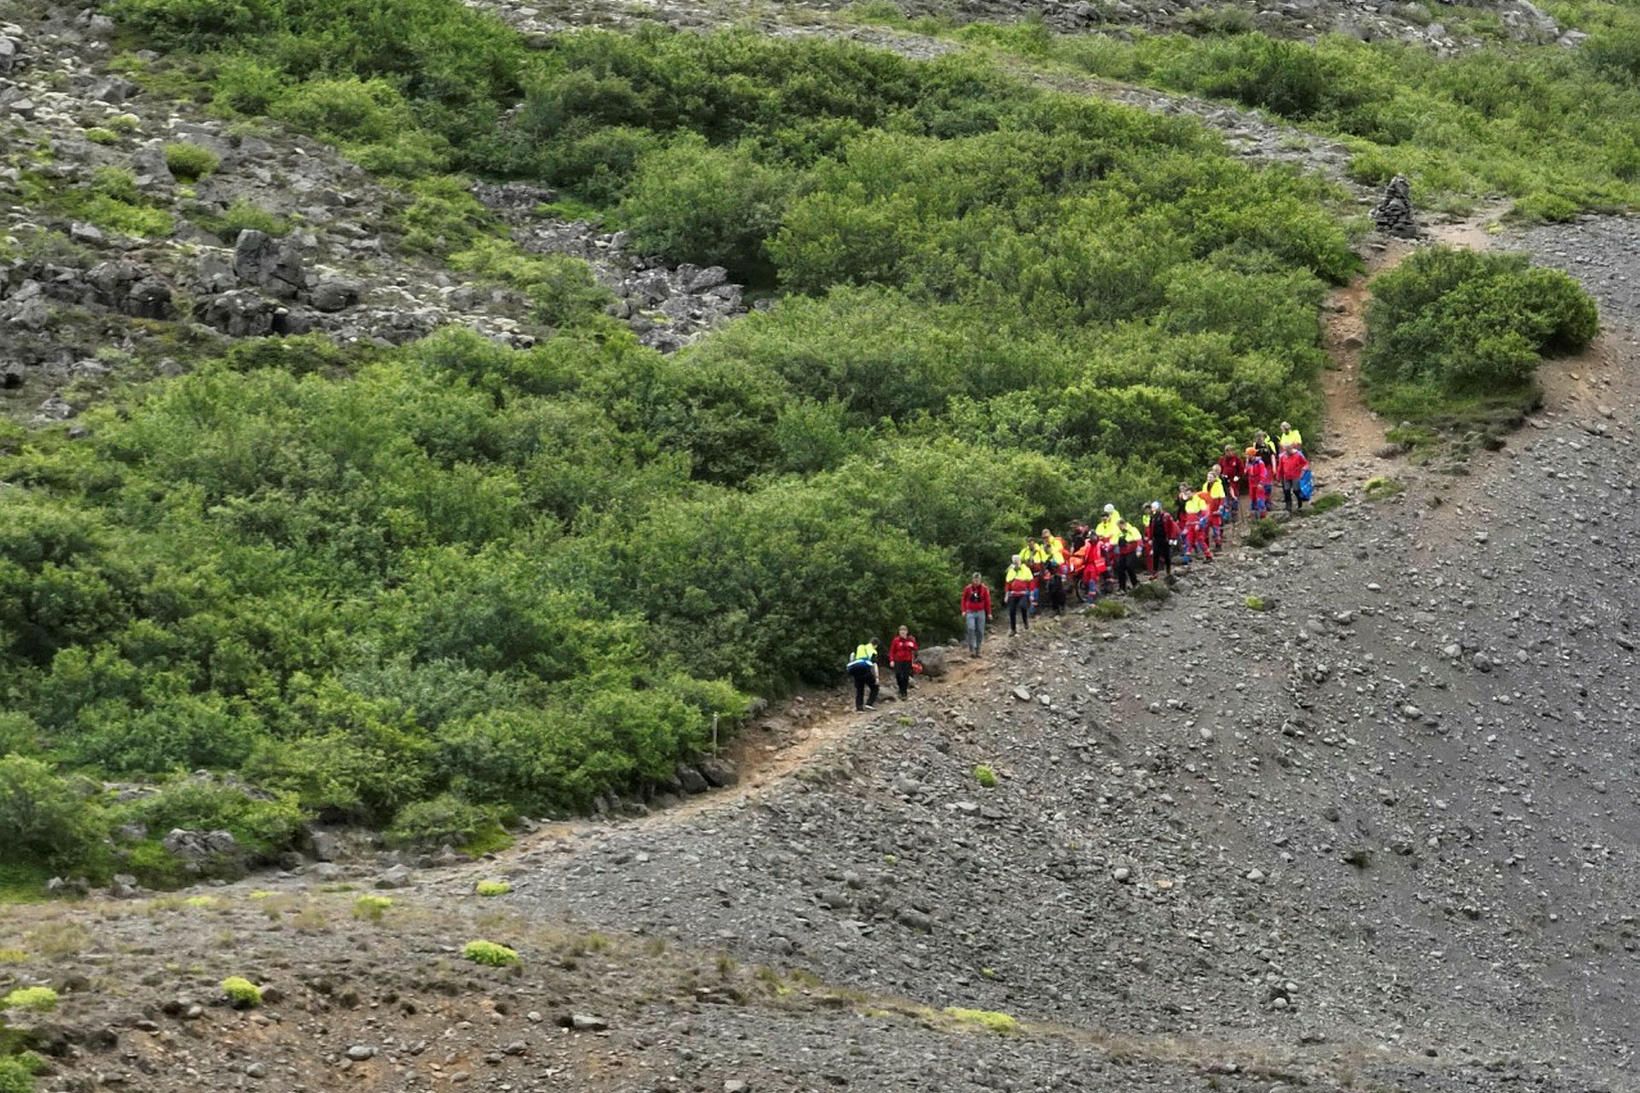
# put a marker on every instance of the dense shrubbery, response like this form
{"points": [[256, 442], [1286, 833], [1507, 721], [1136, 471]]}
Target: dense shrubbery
{"points": [[1457, 323], [1548, 125], [429, 585]]}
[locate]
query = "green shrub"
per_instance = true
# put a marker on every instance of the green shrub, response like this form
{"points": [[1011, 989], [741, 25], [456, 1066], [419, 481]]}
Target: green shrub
{"points": [[1462, 323], [446, 820], [990, 1020], [1254, 603], [488, 952], [244, 215], [1325, 504], [1379, 488], [190, 162], [563, 289], [241, 993], [493, 888], [46, 818], [714, 206], [125, 123], [41, 999], [985, 776], [371, 908], [99, 135], [1261, 533], [15, 1076], [443, 216], [1110, 609], [261, 826]]}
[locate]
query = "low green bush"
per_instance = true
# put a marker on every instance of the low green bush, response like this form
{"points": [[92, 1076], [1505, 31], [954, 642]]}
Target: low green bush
{"points": [[493, 888], [1254, 603], [1324, 504], [99, 135], [488, 952], [190, 162], [371, 908], [41, 999], [241, 993], [1001, 1023], [262, 825], [445, 820], [985, 776], [45, 817], [715, 206], [243, 215], [1460, 324], [1261, 533], [1377, 489], [16, 1076]]}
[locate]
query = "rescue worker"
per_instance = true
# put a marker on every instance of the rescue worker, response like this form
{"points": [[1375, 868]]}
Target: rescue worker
{"points": [[1289, 437], [1290, 467], [1162, 529], [863, 668], [1213, 489], [1259, 477], [1233, 469], [1128, 541], [1196, 517], [976, 612], [1265, 451], [902, 657], [1016, 585]]}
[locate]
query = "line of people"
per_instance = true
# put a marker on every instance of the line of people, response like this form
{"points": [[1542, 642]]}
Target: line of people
{"points": [[1114, 554]]}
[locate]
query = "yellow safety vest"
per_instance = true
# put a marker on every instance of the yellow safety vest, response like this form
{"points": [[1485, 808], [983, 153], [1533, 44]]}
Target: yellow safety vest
{"points": [[1020, 572], [1215, 489], [864, 652], [1293, 437], [1106, 528], [1131, 535], [1194, 505]]}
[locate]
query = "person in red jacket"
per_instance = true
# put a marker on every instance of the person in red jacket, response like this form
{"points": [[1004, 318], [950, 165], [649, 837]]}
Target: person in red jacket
{"points": [[1259, 478], [1233, 470], [902, 655], [1162, 530], [1290, 467], [976, 612]]}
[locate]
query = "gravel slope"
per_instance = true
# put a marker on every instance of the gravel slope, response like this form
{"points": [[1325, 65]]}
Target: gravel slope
{"points": [[1392, 809]]}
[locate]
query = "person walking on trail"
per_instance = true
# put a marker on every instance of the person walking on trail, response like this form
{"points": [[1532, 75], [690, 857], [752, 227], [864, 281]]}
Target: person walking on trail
{"points": [[1289, 437], [1213, 492], [1233, 469], [902, 657], [862, 667], [1163, 529], [1291, 467], [1128, 541], [1016, 586], [1196, 517], [1259, 478], [1265, 451], [1105, 530], [976, 612]]}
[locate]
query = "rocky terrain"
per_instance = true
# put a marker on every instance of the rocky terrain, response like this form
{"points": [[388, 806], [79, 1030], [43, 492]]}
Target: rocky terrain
{"points": [[80, 304], [1347, 812]]}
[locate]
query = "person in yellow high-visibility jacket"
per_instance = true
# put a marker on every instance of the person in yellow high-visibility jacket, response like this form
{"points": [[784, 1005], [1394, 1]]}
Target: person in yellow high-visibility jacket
{"points": [[1105, 529], [1289, 437]]}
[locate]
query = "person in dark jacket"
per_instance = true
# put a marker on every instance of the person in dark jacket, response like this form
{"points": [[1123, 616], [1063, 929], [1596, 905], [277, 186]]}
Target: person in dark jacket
{"points": [[1163, 529], [862, 668]]}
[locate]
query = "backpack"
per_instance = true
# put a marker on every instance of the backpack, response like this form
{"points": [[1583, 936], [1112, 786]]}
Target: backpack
{"points": [[1306, 485]]}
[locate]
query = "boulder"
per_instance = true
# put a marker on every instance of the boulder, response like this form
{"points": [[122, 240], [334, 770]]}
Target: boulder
{"points": [[334, 294], [719, 772], [273, 265], [691, 779], [239, 313]]}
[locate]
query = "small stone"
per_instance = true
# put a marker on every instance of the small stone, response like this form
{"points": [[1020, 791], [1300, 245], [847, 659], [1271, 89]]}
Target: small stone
{"points": [[256, 1070], [1255, 875], [1022, 693], [583, 1022], [1121, 874], [360, 1052]]}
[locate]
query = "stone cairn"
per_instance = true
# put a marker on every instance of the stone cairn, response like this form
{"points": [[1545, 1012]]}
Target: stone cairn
{"points": [[1393, 215]]}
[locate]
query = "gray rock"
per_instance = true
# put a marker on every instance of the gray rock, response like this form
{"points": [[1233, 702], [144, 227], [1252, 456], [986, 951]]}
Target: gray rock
{"points": [[273, 265], [691, 779], [360, 1052], [239, 313], [399, 876], [335, 294], [719, 772]]}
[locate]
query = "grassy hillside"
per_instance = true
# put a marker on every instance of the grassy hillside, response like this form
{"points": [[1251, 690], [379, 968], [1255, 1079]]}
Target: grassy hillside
{"points": [[1555, 129], [428, 586]]}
